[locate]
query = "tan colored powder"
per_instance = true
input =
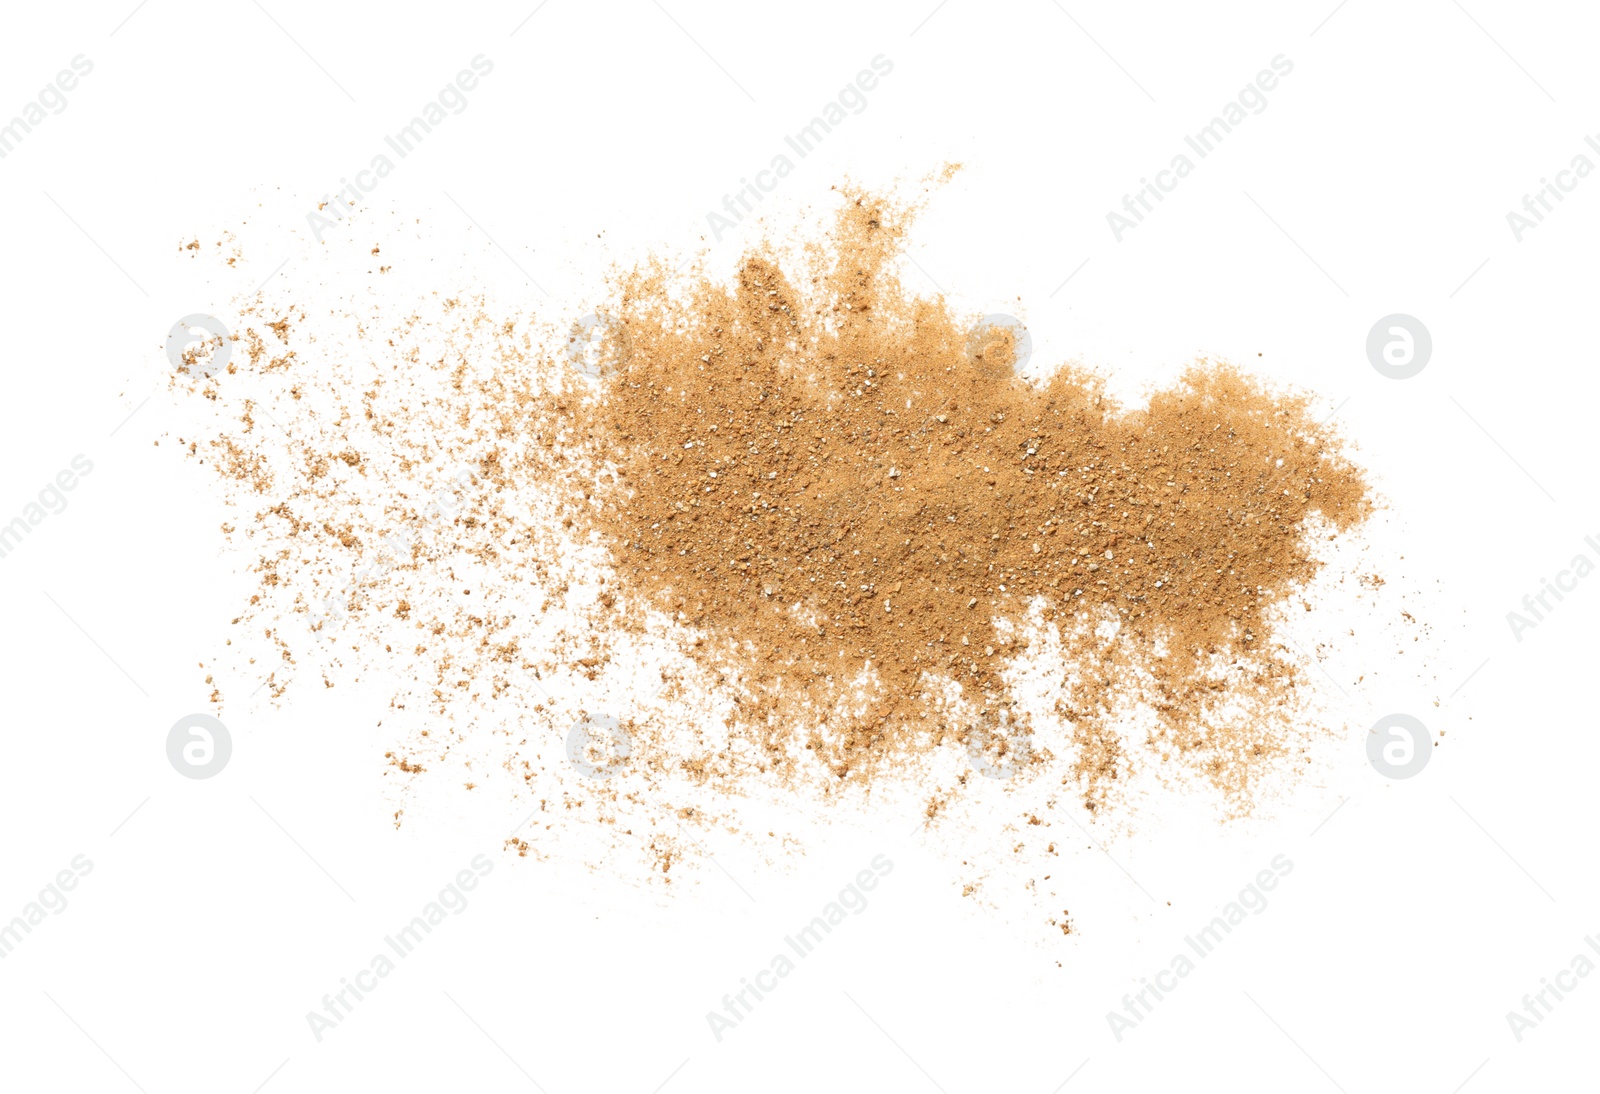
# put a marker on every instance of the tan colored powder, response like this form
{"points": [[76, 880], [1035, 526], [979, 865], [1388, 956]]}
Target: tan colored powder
{"points": [[827, 476], [867, 541]]}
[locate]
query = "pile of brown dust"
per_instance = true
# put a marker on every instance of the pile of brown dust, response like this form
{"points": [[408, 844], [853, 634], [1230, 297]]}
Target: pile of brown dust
{"points": [[801, 530], [855, 499]]}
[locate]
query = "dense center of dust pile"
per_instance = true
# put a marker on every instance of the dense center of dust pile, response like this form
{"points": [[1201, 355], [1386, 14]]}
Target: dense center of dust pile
{"points": [[856, 498], [864, 539]]}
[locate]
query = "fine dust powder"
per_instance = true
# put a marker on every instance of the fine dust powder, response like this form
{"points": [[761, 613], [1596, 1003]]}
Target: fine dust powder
{"points": [[853, 501], [783, 538]]}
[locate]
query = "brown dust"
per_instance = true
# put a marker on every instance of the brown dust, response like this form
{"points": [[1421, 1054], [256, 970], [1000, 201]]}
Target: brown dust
{"points": [[831, 481], [863, 539]]}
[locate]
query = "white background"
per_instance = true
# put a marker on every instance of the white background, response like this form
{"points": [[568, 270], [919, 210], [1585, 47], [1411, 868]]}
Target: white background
{"points": [[1377, 181]]}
